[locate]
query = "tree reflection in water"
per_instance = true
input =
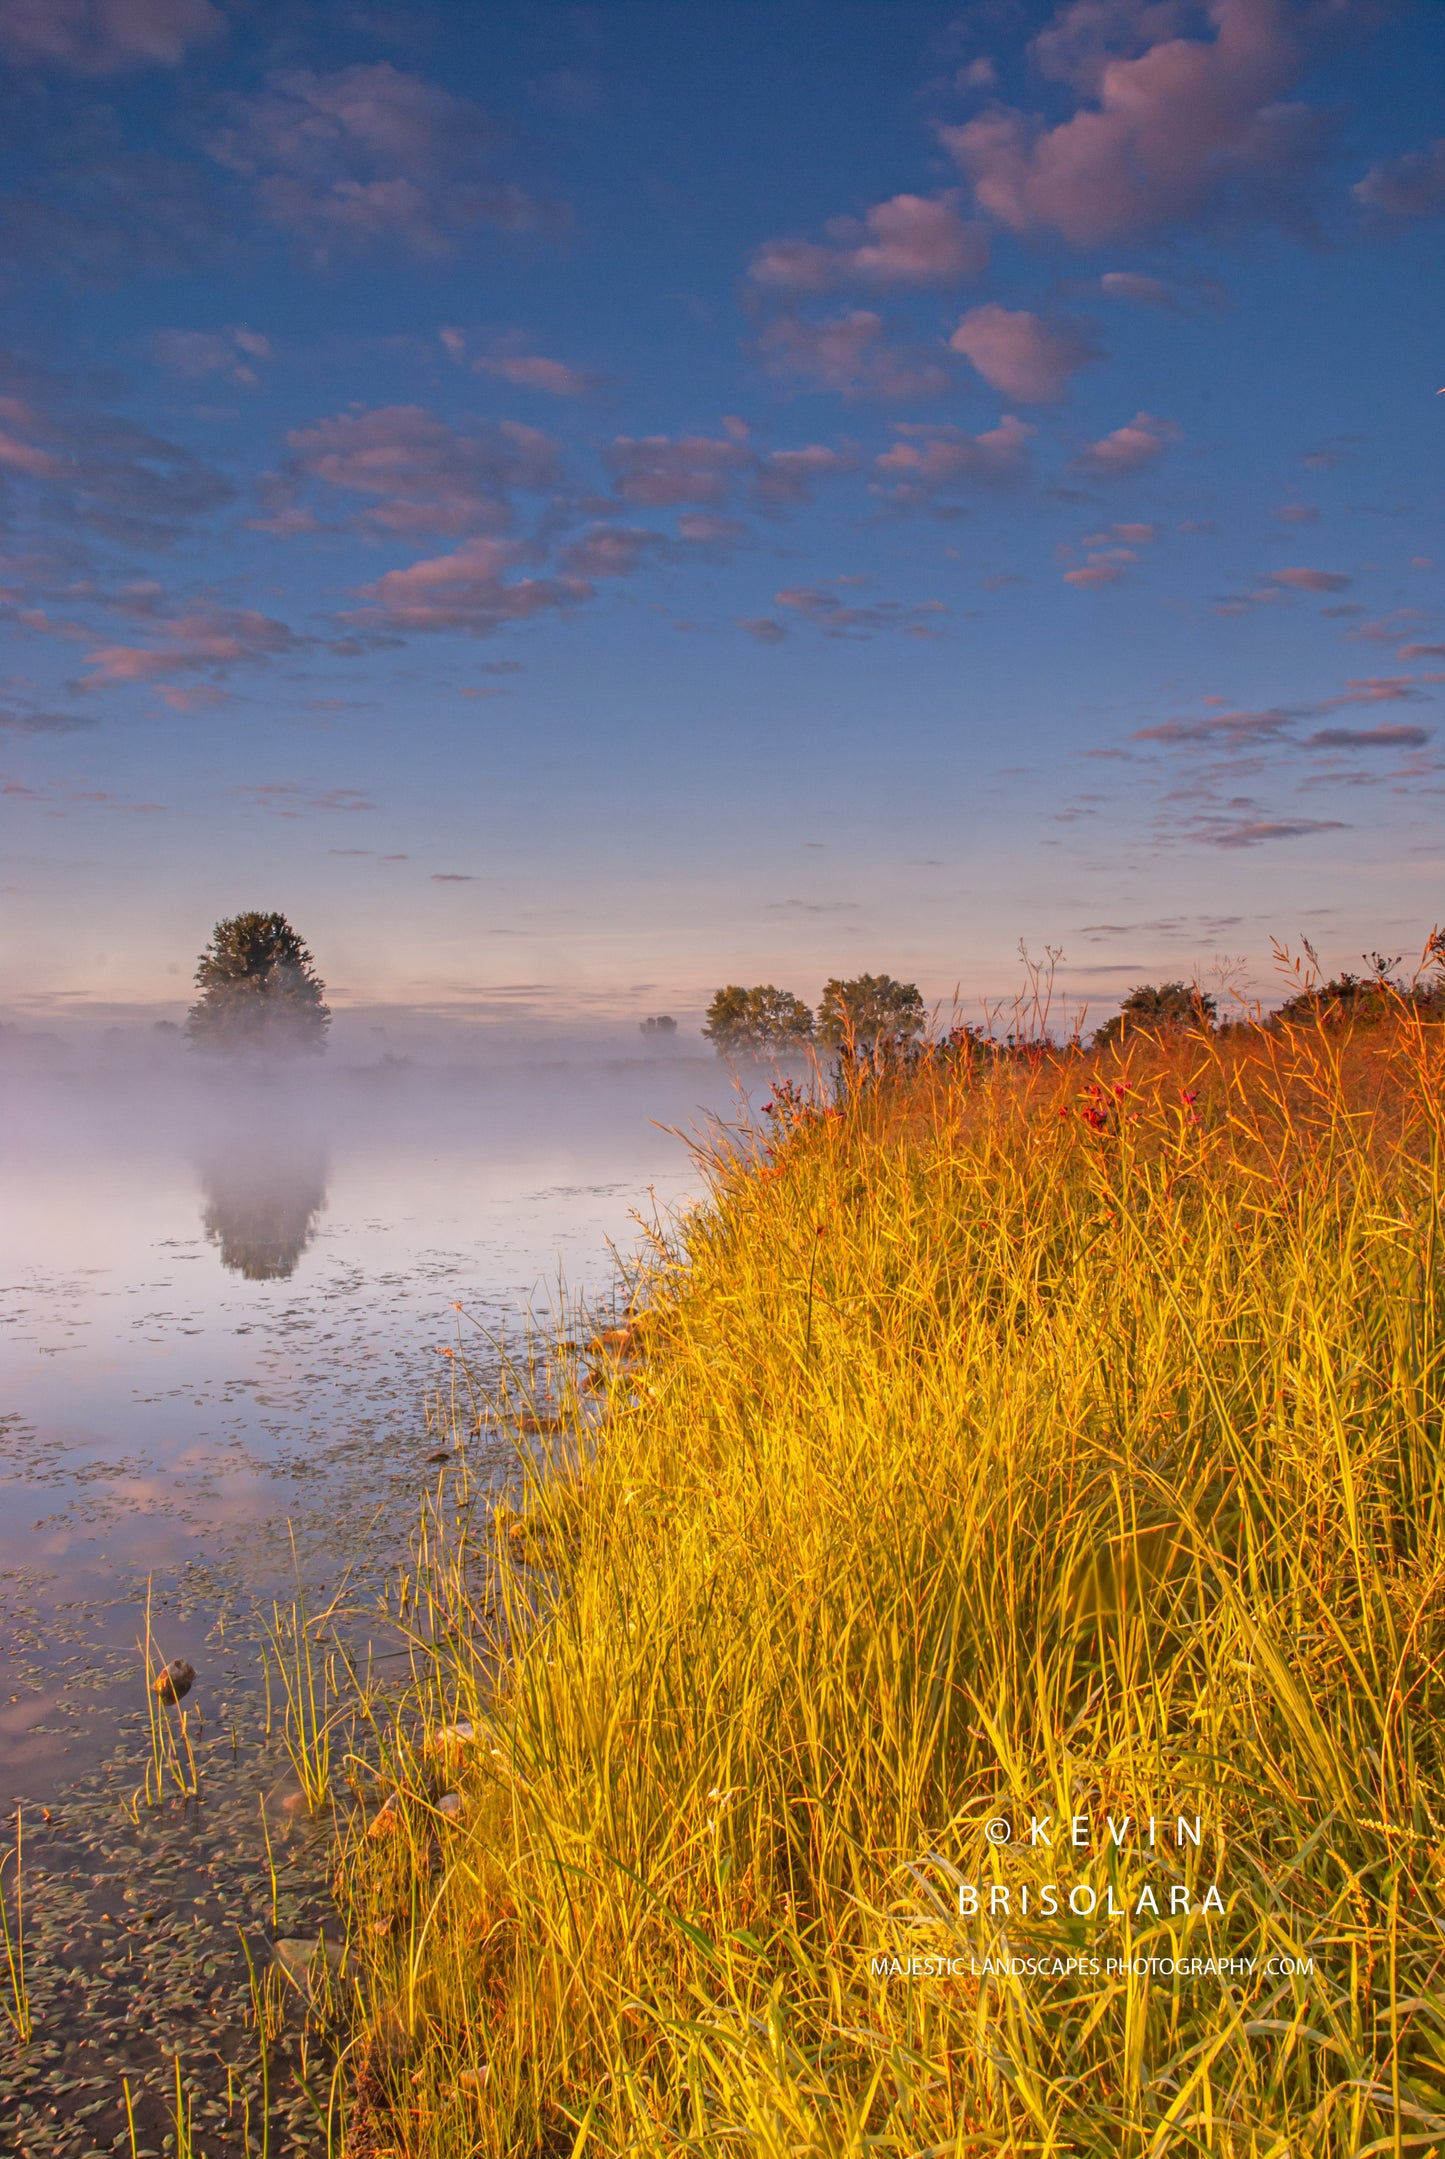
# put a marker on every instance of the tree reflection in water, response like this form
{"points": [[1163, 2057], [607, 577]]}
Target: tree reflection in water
{"points": [[264, 1192]]}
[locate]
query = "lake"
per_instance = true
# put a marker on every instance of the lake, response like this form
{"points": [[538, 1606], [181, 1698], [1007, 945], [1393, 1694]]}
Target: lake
{"points": [[221, 1302]]}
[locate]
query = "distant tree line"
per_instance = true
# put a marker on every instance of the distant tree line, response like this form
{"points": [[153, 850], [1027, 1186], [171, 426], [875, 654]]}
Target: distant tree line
{"points": [[857, 1015], [874, 1013]]}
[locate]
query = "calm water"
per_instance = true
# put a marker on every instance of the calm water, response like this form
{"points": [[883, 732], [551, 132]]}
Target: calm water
{"points": [[220, 1305]]}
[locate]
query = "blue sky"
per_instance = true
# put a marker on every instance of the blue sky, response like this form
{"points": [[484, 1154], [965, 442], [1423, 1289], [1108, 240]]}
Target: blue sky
{"points": [[581, 504]]}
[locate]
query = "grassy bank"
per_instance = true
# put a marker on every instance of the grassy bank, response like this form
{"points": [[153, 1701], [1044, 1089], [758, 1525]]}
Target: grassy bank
{"points": [[1054, 1440]]}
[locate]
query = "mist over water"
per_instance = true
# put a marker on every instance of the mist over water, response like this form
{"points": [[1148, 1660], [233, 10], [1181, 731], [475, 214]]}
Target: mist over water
{"points": [[221, 1296]]}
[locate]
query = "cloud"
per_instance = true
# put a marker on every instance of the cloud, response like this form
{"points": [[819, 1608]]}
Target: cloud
{"points": [[197, 355], [467, 590], [700, 528], [510, 361], [1272, 587], [1131, 449], [1368, 738], [1022, 354], [763, 629], [1422, 652], [1111, 554], [611, 551], [660, 472], [1106, 566], [102, 37], [96, 469], [1257, 832], [366, 154], [1231, 730], [1410, 186], [92, 215], [911, 240], [452, 877], [926, 461], [1172, 127], [1306, 580], [422, 476], [18, 720], [283, 798], [1146, 291], [204, 639], [1296, 513], [830, 610], [814, 907], [791, 476], [851, 355]]}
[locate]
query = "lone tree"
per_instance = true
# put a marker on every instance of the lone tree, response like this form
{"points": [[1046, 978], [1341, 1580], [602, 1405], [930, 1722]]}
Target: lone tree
{"points": [[260, 993], [748, 1022], [1154, 1008], [870, 1009]]}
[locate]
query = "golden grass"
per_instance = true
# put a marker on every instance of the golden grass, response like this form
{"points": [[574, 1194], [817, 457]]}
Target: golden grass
{"points": [[1053, 1437]]}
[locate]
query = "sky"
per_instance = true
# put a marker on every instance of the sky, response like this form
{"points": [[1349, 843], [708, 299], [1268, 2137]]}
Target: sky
{"points": [[577, 505]]}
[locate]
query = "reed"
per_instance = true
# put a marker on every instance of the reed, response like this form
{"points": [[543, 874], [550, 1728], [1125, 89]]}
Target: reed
{"points": [[18, 2011], [1052, 1438], [308, 1673], [171, 1757]]}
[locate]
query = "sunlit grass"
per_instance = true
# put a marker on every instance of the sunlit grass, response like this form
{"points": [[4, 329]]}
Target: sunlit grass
{"points": [[1045, 1437]]}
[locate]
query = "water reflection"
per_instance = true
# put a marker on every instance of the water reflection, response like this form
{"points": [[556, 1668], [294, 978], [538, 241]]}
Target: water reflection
{"points": [[264, 1191]]}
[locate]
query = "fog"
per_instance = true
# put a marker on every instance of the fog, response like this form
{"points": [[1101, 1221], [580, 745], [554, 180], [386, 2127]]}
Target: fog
{"points": [[222, 1291]]}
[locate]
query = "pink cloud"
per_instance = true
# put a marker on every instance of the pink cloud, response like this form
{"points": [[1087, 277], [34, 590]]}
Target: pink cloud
{"points": [[701, 529], [1146, 291], [611, 551], [1107, 566], [1112, 554], [829, 609], [1233, 730], [1256, 832], [423, 475], [283, 798], [912, 240], [18, 419], [467, 590], [791, 476], [659, 471], [664, 471], [95, 468], [1368, 738], [1022, 354], [530, 371], [925, 461], [510, 362], [101, 37], [197, 354], [203, 639], [369, 153], [1410, 186], [1174, 126], [1304, 580], [1130, 449], [850, 355]]}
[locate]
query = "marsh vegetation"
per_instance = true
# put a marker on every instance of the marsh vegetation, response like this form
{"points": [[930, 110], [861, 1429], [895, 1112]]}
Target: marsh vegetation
{"points": [[1033, 1438]]}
